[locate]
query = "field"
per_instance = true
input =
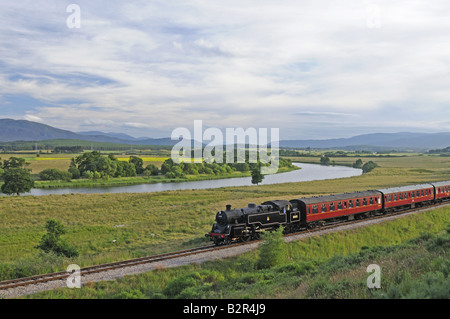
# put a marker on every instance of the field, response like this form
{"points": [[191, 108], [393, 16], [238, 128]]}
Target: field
{"points": [[110, 227], [411, 253]]}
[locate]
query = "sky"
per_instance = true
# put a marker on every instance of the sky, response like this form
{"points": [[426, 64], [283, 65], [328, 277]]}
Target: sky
{"points": [[314, 69]]}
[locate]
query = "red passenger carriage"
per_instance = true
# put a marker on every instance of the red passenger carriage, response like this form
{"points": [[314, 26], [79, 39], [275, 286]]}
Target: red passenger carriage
{"points": [[407, 196]]}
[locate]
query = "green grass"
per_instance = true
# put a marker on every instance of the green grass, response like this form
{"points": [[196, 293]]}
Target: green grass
{"points": [[112, 227], [411, 251]]}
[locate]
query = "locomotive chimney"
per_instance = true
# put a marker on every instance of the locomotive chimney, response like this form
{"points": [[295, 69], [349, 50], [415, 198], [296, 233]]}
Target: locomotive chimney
{"points": [[228, 207]]}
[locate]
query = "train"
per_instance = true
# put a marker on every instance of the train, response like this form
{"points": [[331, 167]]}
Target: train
{"points": [[248, 223]]}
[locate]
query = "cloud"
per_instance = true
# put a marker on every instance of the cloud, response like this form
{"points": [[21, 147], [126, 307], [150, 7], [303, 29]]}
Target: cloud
{"points": [[33, 118], [154, 66]]}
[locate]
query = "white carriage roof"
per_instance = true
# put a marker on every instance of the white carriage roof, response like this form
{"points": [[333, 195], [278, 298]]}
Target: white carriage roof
{"points": [[405, 188]]}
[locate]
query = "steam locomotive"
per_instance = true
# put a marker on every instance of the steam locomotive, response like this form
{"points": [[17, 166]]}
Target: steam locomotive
{"points": [[244, 224]]}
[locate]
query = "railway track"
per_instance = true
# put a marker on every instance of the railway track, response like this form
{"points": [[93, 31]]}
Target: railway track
{"points": [[7, 284], [33, 280]]}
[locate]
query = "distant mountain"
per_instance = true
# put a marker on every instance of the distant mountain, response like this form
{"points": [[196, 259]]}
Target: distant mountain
{"points": [[22, 130], [403, 140], [121, 136]]}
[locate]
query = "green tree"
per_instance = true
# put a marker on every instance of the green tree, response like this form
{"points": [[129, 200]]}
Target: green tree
{"points": [[52, 241], [257, 177], [138, 164], [358, 163], [152, 169], [369, 166], [16, 181], [325, 160], [53, 174], [73, 170], [14, 162]]}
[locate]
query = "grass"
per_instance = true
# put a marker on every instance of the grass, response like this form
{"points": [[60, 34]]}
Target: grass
{"points": [[410, 251], [111, 227]]}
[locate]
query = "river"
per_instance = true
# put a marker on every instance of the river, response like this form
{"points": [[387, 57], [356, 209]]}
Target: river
{"points": [[308, 172]]}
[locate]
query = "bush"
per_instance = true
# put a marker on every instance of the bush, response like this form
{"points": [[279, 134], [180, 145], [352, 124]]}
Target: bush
{"points": [[272, 251], [369, 166], [53, 174], [51, 241]]}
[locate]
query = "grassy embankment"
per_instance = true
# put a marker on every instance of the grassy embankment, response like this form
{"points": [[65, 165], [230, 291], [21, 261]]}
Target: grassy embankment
{"points": [[110, 227], [411, 252]]}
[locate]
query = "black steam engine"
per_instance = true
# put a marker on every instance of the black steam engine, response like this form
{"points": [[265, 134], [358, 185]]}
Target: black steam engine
{"points": [[247, 223]]}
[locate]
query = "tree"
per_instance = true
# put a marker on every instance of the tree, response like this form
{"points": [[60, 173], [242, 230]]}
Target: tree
{"points": [[257, 177], [14, 162], [152, 170], [73, 170], [138, 164], [53, 174], [52, 242], [324, 160], [17, 180], [358, 163], [369, 166]]}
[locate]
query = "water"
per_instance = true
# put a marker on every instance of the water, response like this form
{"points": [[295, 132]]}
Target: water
{"points": [[308, 172]]}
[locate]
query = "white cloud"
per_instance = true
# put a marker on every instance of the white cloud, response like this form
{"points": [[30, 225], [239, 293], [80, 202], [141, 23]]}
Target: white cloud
{"points": [[161, 65], [32, 118]]}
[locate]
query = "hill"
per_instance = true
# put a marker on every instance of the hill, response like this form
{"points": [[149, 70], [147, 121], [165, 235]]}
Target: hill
{"points": [[22, 130], [377, 141]]}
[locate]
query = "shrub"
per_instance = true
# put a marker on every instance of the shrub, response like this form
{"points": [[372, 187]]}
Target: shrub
{"points": [[53, 174], [272, 251], [51, 241]]}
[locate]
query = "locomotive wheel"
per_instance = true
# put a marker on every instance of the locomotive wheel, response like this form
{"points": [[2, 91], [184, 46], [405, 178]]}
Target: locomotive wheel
{"points": [[245, 238]]}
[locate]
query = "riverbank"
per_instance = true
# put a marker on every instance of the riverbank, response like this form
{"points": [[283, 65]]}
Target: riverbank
{"points": [[138, 180]]}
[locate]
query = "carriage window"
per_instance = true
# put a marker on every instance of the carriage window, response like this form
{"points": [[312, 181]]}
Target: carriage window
{"points": [[406, 195], [315, 209], [365, 202], [426, 192], [400, 196], [331, 207], [418, 194], [413, 194], [421, 193], [371, 201], [309, 210], [350, 203], [340, 205], [324, 208], [395, 197], [358, 203]]}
